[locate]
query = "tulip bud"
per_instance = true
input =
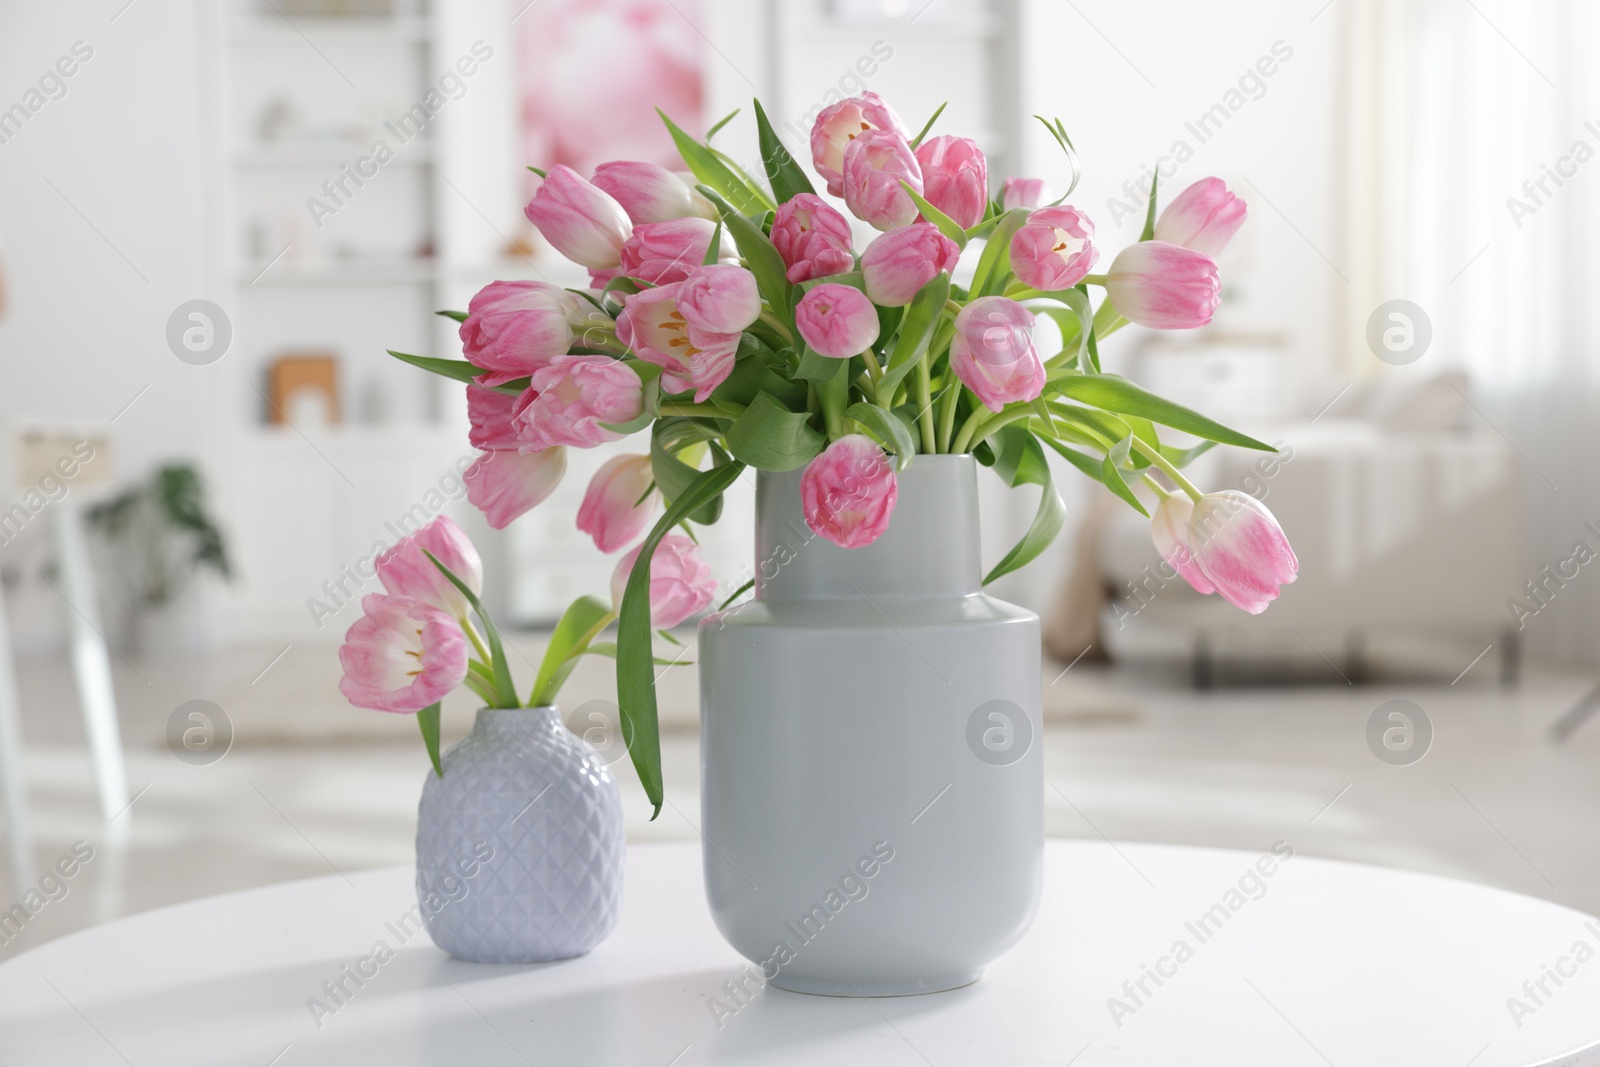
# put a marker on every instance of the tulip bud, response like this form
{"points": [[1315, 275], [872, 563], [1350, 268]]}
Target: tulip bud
{"points": [[566, 403], [837, 321], [1054, 249], [720, 297], [955, 177], [992, 352], [848, 492], [649, 192], [583, 223], [874, 166], [405, 571], [681, 584], [504, 484], [689, 356], [619, 502], [1023, 192], [1204, 217], [402, 655], [1241, 549], [812, 238], [897, 264], [514, 328], [839, 124], [1163, 286], [665, 252]]}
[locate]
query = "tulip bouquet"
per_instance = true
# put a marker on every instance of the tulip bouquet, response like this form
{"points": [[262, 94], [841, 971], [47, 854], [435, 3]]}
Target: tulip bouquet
{"points": [[733, 323]]}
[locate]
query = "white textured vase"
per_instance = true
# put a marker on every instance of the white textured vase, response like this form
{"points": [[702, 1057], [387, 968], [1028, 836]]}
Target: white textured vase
{"points": [[872, 781], [520, 843]]}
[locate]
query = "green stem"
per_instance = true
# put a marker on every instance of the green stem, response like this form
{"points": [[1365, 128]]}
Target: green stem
{"points": [[477, 642], [1095, 279], [695, 411], [772, 320], [992, 423], [1161, 491], [947, 415], [834, 394], [964, 438], [1165, 466], [930, 441], [873, 372]]}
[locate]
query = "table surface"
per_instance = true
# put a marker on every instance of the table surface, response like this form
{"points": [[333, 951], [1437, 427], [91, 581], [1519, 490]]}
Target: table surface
{"points": [[1320, 963]]}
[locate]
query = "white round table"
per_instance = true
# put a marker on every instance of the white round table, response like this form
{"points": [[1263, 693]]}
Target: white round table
{"points": [[1316, 963]]}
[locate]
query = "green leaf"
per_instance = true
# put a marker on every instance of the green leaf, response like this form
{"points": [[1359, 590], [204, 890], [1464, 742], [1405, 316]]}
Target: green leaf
{"points": [[946, 225], [1059, 132], [580, 623], [816, 367], [1111, 392], [751, 376], [1111, 469], [673, 476], [770, 437], [887, 429], [714, 249], [787, 178], [458, 316], [723, 121], [705, 165], [505, 688], [1182, 457], [994, 265], [636, 680], [926, 126], [916, 332], [458, 369], [737, 593], [608, 649], [1095, 469], [760, 256], [1020, 461], [1150, 211], [1081, 322], [428, 722]]}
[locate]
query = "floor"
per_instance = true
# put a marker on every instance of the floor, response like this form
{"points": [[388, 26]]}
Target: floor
{"points": [[311, 786]]}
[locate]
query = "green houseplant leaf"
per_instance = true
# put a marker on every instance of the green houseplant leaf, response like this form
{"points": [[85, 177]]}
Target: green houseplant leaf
{"points": [[668, 437], [505, 689], [946, 225], [770, 437], [1111, 392], [580, 624], [636, 680], [887, 429], [428, 723], [704, 163], [1020, 461]]}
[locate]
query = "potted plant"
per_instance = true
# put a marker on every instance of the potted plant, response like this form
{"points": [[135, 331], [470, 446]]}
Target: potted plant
{"points": [[871, 779], [161, 537]]}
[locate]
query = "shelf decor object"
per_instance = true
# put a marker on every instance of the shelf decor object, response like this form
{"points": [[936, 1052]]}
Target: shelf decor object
{"points": [[519, 831], [870, 718]]}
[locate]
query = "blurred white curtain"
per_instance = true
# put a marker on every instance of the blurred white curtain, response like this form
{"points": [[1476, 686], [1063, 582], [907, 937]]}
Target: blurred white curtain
{"points": [[1455, 105]]}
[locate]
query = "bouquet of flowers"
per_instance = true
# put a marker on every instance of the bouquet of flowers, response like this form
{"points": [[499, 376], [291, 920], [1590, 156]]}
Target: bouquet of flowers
{"points": [[732, 323]]}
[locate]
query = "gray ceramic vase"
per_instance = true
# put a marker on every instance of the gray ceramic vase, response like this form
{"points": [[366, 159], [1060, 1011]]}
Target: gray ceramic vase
{"points": [[872, 781], [520, 843]]}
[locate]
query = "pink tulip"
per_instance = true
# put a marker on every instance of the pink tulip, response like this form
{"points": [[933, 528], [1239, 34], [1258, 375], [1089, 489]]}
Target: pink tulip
{"points": [[489, 412], [1241, 549], [720, 297], [505, 484], [566, 403], [664, 252], [848, 492], [1054, 249], [1023, 192], [956, 178], [993, 354], [514, 328], [402, 655], [681, 584], [899, 263], [837, 321], [619, 502], [689, 357], [874, 166], [584, 224], [1164, 286], [1204, 217], [649, 192], [841, 123], [812, 238], [1169, 529], [405, 571]]}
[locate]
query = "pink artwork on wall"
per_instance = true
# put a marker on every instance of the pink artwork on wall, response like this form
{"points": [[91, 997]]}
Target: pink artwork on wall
{"points": [[594, 71]]}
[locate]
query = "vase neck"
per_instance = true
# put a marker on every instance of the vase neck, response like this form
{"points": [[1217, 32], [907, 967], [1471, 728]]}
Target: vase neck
{"points": [[515, 722], [929, 550]]}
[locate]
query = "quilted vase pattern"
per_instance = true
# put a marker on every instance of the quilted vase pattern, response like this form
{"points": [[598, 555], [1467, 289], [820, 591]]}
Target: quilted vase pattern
{"points": [[520, 843]]}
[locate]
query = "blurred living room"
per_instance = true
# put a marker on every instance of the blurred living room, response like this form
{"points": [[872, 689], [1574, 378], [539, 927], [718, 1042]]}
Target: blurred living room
{"points": [[219, 218]]}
